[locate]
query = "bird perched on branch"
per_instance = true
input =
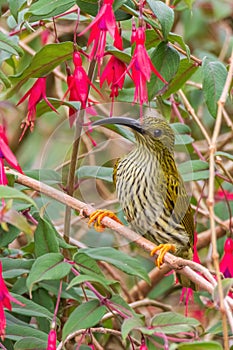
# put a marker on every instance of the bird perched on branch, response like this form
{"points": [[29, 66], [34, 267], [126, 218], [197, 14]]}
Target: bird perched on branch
{"points": [[151, 190]]}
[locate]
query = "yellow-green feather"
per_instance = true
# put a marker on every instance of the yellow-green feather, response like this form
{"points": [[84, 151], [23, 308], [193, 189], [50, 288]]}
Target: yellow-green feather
{"points": [[152, 193]]}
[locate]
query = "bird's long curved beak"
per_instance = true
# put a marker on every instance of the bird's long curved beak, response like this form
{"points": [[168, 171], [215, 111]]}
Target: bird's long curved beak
{"points": [[131, 123]]}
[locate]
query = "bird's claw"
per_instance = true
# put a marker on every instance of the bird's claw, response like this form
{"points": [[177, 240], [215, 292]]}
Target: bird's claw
{"points": [[163, 249], [97, 216]]}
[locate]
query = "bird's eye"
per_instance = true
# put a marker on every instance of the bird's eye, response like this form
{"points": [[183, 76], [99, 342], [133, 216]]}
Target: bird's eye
{"points": [[157, 132]]}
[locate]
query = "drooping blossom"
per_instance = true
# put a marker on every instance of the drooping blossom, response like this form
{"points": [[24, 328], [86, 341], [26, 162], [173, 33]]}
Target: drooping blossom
{"points": [[78, 88], [103, 23], [6, 155], [114, 70], [226, 263], [141, 67], [5, 301], [35, 94], [52, 339]]}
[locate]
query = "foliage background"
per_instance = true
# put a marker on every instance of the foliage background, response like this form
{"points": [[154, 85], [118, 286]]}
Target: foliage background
{"points": [[33, 263]]}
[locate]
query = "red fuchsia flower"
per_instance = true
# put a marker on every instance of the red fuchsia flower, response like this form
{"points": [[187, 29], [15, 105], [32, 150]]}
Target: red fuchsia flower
{"points": [[6, 155], [104, 22], [141, 67], [5, 301], [91, 346], [114, 72], [36, 94], [224, 194], [226, 263], [78, 87], [52, 339]]}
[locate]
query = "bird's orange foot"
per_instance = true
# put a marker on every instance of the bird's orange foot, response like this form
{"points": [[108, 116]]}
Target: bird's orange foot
{"points": [[97, 216], [163, 249]]}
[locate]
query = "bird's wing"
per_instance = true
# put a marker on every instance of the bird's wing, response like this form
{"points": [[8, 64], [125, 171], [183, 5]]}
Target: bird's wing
{"points": [[176, 200]]}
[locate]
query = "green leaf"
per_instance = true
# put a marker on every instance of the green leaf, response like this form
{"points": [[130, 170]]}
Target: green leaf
{"points": [[15, 6], [224, 154], [123, 56], [87, 265], [214, 78], [8, 44], [7, 192], [45, 238], [227, 284], [47, 267], [173, 323], [43, 9], [32, 342], [194, 170], [90, 278], [164, 14], [118, 259], [84, 316], [16, 219], [43, 108], [180, 128], [199, 345], [44, 61], [95, 172], [15, 267], [130, 324], [48, 176], [16, 332], [30, 308], [166, 60], [185, 71], [172, 37], [4, 79], [9, 236]]}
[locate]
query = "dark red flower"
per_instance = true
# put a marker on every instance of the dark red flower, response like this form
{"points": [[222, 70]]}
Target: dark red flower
{"points": [[226, 263], [5, 301], [52, 339], [114, 71], [6, 155], [143, 344], [104, 22], [36, 94]]}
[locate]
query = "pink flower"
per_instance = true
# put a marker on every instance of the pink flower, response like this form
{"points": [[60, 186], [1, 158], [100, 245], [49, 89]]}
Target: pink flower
{"points": [[36, 94], [114, 72], [5, 301], [226, 263], [143, 344], [141, 67], [224, 194], [187, 293], [52, 339], [104, 22], [6, 155]]}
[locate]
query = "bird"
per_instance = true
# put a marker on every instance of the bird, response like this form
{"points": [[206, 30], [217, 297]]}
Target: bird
{"points": [[151, 190]]}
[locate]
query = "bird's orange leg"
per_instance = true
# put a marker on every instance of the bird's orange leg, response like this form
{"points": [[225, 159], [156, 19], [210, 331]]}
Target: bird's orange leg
{"points": [[163, 249], [97, 216]]}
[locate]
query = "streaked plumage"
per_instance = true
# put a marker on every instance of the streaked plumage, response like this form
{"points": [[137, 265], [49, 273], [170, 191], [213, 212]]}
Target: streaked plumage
{"points": [[151, 190]]}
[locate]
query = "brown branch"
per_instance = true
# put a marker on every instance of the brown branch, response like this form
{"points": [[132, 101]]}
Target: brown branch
{"points": [[181, 265]]}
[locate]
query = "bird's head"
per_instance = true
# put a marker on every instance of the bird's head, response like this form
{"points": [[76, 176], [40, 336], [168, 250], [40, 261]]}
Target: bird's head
{"points": [[154, 133]]}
